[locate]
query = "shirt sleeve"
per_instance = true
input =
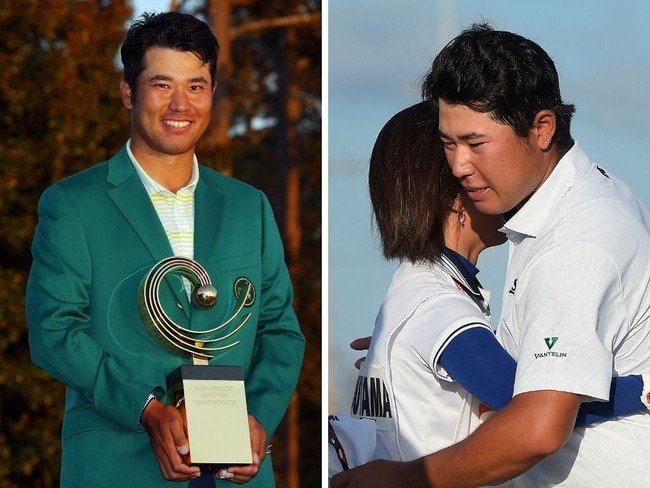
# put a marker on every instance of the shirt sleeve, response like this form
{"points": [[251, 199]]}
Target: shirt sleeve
{"points": [[567, 321], [57, 310], [279, 344], [437, 321], [475, 359], [625, 399]]}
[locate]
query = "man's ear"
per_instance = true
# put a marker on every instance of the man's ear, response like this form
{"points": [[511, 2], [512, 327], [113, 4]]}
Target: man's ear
{"points": [[544, 127], [127, 95]]}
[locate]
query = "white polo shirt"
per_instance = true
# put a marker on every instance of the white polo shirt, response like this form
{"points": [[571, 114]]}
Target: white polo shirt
{"points": [[175, 210], [417, 406], [576, 311]]}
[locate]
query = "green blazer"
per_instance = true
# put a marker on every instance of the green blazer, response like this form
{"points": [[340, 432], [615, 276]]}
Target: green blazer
{"points": [[98, 235]]}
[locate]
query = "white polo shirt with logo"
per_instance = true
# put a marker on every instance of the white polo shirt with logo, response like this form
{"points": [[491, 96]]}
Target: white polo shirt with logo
{"points": [[576, 311]]}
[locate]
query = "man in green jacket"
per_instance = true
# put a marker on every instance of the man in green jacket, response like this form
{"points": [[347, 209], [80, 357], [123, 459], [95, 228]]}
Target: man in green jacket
{"points": [[101, 231]]}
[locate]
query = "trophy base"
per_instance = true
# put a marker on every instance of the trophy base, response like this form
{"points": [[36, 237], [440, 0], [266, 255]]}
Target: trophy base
{"points": [[216, 416]]}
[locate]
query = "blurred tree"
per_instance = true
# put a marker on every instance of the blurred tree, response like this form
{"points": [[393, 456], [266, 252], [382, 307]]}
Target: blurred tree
{"points": [[61, 112]]}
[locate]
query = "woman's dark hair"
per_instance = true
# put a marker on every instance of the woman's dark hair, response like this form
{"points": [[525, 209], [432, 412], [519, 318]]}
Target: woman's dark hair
{"points": [[503, 74], [412, 189], [173, 30]]}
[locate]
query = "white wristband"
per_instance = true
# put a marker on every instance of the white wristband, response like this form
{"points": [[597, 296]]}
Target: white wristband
{"points": [[149, 399], [156, 394]]}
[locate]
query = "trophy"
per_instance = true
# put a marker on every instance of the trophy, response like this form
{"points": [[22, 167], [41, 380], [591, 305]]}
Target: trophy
{"points": [[211, 398]]}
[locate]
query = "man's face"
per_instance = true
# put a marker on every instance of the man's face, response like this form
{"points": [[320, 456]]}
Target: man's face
{"points": [[497, 169], [173, 105]]}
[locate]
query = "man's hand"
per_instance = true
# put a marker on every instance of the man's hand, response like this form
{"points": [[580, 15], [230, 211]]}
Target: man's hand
{"points": [[243, 474], [533, 426], [164, 424], [381, 474], [360, 344]]}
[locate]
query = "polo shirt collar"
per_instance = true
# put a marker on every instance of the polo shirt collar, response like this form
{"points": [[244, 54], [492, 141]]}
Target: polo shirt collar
{"points": [[152, 186], [463, 266], [534, 215], [463, 272]]}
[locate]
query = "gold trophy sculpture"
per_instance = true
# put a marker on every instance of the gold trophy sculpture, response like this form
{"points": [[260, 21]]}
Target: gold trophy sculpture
{"points": [[211, 398]]}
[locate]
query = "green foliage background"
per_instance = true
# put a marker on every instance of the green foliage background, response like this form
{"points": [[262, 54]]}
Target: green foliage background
{"points": [[60, 112]]}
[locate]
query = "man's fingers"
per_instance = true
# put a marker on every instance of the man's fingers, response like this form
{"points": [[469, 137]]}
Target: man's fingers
{"points": [[360, 344], [180, 442], [239, 474], [258, 438], [358, 362], [166, 429], [338, 480], [243, 474]]}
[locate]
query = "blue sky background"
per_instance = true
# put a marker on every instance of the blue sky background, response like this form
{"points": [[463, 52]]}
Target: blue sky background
{"points": [[378, 52]]}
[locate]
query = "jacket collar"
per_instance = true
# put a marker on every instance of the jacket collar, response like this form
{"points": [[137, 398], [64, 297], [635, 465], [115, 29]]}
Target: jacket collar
{"points": [[130, 197], [541, 207], [451, 265]]}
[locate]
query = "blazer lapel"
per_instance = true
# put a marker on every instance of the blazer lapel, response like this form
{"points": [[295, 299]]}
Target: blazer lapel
{"points": [[208, 220], [130, 197]]}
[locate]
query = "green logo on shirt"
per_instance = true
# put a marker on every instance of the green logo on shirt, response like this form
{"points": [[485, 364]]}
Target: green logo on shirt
{"points": [[550, 342]]}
